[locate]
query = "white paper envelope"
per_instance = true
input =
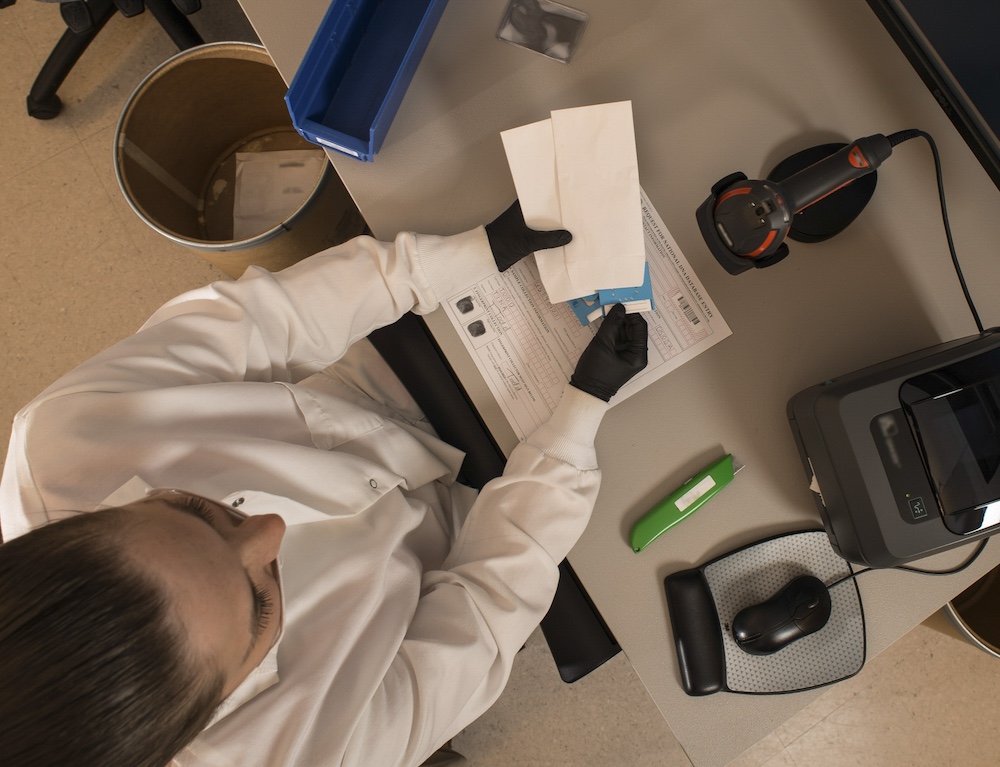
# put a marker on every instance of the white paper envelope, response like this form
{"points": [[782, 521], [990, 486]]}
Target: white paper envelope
{"points": [[532, 150], [531, 155], [579, 171]]}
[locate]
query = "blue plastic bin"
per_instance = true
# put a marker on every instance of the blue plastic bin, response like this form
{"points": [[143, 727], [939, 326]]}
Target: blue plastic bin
{"points": [[358, 66]]}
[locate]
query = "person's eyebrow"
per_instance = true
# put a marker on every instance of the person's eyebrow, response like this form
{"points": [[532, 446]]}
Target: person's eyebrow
{"points": [[255, 613]]}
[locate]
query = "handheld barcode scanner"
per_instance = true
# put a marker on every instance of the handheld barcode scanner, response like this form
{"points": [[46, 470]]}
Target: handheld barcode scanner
{"points": [[808, 197]]}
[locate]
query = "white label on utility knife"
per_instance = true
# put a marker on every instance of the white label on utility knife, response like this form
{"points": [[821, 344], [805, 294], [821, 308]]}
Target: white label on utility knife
{"points": [[694, 493]]}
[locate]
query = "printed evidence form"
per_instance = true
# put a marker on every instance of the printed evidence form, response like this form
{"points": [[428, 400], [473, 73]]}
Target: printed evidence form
{"points": [[526, 348]]}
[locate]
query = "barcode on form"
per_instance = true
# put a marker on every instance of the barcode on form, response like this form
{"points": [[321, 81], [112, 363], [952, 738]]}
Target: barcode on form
{"points": [[688, 311]]}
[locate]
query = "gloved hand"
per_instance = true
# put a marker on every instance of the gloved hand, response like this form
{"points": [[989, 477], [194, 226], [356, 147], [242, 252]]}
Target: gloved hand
{"points": [[614, 355], [511, 239]]}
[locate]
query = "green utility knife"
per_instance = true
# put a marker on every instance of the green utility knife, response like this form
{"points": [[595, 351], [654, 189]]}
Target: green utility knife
{"points": [[683, 502]]}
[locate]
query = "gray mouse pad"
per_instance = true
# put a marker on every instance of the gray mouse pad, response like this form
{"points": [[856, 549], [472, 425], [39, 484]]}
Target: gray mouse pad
{"points": [[752, 575]]}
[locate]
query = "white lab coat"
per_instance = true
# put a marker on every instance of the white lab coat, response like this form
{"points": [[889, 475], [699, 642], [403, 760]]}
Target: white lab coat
{"points": [[406, 596]]}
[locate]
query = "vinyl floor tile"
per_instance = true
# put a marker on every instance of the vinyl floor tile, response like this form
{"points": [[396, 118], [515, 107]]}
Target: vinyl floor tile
{"points": [[24, 142]]}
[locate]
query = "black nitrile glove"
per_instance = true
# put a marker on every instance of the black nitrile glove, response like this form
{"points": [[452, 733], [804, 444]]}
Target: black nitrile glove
{"points": [[511, 239], [614, 355]]}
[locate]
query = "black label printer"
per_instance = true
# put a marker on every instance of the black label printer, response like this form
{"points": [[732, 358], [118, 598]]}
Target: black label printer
{"points": [[903, 457]]}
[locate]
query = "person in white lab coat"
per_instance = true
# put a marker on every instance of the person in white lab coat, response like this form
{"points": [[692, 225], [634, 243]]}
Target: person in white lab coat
{"points": [[249, 423]]}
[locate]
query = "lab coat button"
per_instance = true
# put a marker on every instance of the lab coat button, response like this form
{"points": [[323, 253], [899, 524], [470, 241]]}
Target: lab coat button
{"points": [[373, 483], [238, 502]]}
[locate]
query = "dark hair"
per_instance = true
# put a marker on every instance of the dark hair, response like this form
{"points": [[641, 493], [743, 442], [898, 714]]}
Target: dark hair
{"points": [[93, 667]]}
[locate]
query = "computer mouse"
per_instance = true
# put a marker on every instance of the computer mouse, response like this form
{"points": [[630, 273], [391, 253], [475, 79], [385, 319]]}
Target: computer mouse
{"points": [[799, 609]]}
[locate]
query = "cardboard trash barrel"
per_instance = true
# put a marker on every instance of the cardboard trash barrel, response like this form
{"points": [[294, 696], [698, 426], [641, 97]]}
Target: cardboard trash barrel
{"points": [[206, 155], [975, 613]]}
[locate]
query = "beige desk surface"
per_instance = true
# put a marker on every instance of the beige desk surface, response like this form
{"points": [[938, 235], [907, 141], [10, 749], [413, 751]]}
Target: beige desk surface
{"points": [[717, 86]]}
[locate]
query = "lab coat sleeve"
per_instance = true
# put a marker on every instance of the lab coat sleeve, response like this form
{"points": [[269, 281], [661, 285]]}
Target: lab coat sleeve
{"points": [[476, 612], [290, 324], [139, 406]]}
